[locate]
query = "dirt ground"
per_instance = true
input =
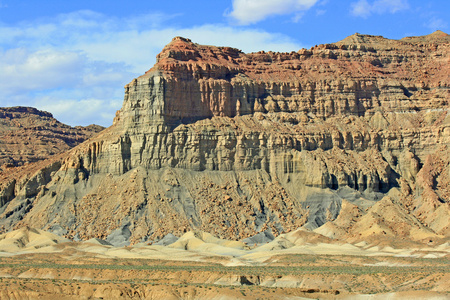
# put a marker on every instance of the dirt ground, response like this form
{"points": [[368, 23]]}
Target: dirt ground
{"points": [[72, 275]]}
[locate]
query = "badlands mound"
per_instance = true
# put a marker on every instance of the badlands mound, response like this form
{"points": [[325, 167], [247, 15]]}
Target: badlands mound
{"points": [[348, 139], [298, 265]]}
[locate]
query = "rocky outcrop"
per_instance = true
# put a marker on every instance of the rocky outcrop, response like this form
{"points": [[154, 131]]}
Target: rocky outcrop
{"points": [[235, 144], [28, 135]]}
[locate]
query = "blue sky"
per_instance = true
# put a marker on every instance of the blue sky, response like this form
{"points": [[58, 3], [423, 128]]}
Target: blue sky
{"points": [[73, 58]]}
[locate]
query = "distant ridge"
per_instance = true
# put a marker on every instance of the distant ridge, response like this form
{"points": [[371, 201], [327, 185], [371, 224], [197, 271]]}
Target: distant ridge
{"points": [[381, 42], [29, 135], [437, 36]]}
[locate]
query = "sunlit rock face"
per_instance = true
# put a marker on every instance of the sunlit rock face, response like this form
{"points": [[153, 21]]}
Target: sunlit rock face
{"points": [[234, 144]]}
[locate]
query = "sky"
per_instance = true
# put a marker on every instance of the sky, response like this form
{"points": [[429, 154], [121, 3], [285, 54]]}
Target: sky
{"points": [[73, 58]]}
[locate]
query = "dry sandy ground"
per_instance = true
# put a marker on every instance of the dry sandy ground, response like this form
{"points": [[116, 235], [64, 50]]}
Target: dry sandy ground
{"points": [[301, 264]]}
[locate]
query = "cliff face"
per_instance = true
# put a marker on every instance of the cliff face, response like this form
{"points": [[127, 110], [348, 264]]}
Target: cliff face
{"points": [[351, 77], [232, 143]]}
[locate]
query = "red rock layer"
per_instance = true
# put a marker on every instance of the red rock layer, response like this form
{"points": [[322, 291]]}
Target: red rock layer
{"points": [[354, 76]]}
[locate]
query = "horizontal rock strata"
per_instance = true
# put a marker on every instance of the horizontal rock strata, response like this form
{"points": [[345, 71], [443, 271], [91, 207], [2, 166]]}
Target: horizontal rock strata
{"points": [[234, 144]]}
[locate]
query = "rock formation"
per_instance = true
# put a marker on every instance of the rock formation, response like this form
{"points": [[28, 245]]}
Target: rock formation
{"points": [[28, 135], [236, 144]]}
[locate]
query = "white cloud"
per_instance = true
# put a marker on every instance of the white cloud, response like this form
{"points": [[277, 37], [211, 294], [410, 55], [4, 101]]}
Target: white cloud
{"points": [[53, 80], [82, 111], [75, 65], [320, 12], [363, 8], [436, 24], [252, 11], [23, 70]]}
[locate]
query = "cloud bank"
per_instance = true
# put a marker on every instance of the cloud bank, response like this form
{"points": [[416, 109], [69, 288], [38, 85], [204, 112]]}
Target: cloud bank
{"points": [[75, 65]]}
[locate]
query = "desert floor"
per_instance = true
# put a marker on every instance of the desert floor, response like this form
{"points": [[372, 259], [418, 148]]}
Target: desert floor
{"points": [[35, 264]]}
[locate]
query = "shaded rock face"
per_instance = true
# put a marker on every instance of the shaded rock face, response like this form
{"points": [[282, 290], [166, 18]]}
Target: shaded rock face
{"points": [[234, 144], [29, 135]]}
